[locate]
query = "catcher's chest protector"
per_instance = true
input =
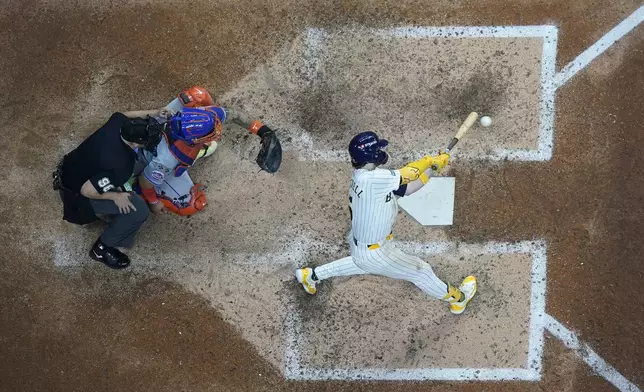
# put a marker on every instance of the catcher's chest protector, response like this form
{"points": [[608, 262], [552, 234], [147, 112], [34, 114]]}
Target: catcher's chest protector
{"points": [[185, 154]]}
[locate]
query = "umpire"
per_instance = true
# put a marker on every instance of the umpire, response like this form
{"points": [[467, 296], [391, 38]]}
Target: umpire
{"points": [[91, 181]]}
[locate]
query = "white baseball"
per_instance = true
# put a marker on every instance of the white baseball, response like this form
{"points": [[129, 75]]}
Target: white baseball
{"points": [[486, 121]]}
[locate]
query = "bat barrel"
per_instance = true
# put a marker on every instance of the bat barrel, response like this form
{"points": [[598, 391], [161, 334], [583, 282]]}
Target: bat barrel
{"points": [[467, 124]]}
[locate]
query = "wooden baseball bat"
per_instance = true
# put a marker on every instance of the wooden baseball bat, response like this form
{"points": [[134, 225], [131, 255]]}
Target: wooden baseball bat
{"points": [[467, 124]]}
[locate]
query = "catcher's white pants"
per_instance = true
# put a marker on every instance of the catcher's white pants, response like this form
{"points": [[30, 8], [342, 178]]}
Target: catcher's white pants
{"points": [[176, 187], [385, 261], [172, 187]]}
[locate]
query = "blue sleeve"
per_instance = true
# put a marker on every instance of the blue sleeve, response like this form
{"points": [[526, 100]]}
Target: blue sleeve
{"points": [[401, 190]]}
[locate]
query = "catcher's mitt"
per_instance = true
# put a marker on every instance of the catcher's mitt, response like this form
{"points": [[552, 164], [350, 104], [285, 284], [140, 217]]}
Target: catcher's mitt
{"points": [[269, 157]]}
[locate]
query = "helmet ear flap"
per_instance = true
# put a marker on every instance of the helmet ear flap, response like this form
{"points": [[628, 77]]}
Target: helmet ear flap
{"points": [[383, 157]]}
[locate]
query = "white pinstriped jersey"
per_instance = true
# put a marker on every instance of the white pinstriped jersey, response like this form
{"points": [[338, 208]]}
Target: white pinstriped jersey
{"points": [[373, 204]]}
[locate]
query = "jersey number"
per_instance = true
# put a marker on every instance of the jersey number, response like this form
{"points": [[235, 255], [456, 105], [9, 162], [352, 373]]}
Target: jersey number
{"points": [[105, 185], [388, 198], [350, 210]]}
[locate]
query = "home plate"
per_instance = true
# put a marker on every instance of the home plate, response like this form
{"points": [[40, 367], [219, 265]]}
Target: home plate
{"points": [[433, 204]]}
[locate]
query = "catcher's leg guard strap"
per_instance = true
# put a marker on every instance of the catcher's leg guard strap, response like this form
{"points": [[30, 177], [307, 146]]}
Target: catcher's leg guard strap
{"points": [[255, 127]]}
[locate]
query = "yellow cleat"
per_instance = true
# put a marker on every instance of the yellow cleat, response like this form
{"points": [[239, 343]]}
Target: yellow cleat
{"points": [[468, 288], [303, 276]]}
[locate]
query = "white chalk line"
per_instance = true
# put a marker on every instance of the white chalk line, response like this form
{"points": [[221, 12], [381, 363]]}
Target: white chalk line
{"points": [[587, 56], [312, 46], [548, 94], [539, 320], [596, 363], [314, 38], [535, 31], [537, 249], [433, 374], [292, 330], [309, 153], [537, 306], [528, 247], [569, 338], [292, 252], [464, 32]]}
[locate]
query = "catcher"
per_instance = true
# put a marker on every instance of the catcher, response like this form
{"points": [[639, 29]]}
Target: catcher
{"points": [[190, 134]]}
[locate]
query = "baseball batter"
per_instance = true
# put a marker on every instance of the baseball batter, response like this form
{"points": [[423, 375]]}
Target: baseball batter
{"points": [[373, 207]]}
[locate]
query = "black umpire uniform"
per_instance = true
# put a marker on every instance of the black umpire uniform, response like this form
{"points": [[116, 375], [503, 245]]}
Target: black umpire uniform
{"points": [[106, 161]]}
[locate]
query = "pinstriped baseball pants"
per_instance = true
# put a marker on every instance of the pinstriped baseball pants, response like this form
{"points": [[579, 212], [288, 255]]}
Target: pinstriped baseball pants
{"points": [[386, 261]]}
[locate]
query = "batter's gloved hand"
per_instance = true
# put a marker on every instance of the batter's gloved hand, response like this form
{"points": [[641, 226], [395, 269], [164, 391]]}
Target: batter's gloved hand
{"points": [[440, 161]]}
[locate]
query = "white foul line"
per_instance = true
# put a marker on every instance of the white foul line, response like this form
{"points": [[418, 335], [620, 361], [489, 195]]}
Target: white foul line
{"points": [[557, 329], [589, 356], [295, 370], [599, 47]]}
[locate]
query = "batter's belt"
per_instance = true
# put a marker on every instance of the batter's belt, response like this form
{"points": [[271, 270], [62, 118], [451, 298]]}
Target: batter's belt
{"points": [[376, 245]]}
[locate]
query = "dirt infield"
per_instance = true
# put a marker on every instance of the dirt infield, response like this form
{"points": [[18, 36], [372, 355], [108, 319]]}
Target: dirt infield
{"points": [[209, 303]]}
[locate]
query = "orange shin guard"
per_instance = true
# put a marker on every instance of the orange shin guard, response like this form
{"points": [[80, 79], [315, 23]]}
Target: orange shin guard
{"points": [[196, 96], [197, 202]]}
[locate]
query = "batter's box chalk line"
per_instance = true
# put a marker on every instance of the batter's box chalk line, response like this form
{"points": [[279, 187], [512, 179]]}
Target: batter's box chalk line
{"points": [[539, 322], [314, 38], [294, 369]]}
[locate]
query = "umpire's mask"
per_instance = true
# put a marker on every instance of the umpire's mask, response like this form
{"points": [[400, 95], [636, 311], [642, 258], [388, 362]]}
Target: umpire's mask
{"points": [[144, 131]]}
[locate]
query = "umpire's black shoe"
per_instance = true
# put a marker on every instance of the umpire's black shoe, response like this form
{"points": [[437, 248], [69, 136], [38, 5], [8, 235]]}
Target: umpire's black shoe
{"points": [[109, 256]]}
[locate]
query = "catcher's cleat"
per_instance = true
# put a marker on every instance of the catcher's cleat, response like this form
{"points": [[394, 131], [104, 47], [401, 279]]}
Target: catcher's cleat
{"points": [[303, 276], [468, 289]]}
